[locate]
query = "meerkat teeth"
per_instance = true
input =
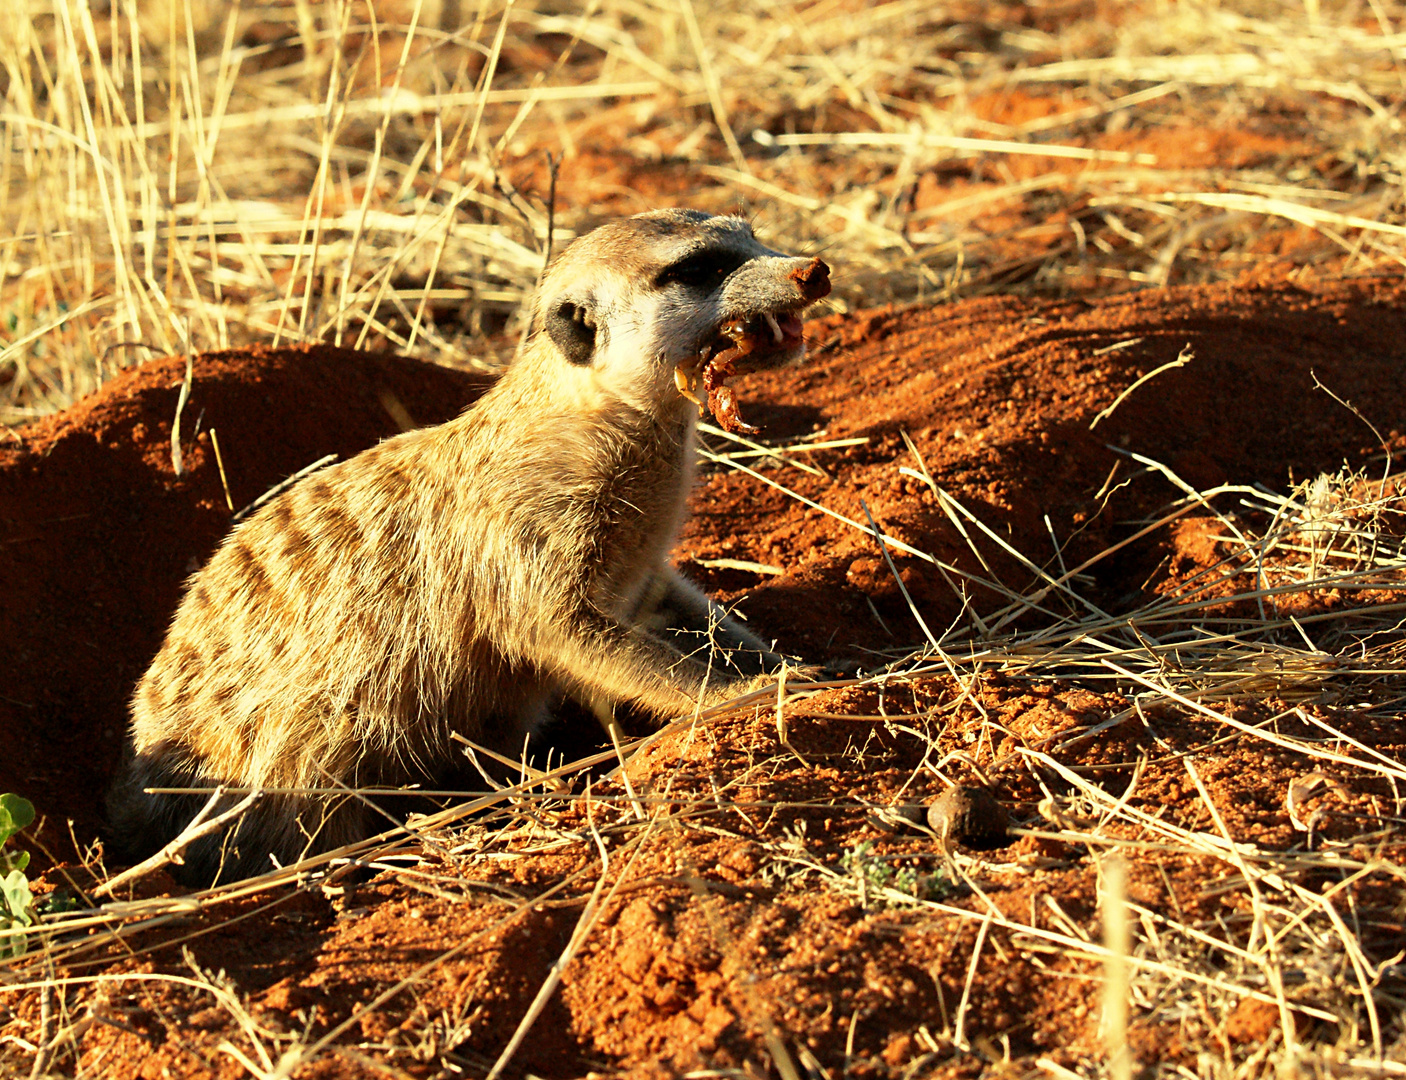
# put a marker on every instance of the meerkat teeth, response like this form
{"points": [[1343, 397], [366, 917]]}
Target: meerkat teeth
{"points": [[775, 326], [684, 382]]}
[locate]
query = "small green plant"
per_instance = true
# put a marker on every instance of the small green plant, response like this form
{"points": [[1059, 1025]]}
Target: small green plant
{"points": [[16, 901], [876, 873]]}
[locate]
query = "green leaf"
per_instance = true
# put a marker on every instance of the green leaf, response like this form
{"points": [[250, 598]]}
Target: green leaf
{"points": [[10, 947], [16, 912], [58, 902], [16, 813], [13, 860], [16, 901]]}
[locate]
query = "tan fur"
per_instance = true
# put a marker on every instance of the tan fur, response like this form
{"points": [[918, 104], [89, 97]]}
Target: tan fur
{"points": [[454, 579]]}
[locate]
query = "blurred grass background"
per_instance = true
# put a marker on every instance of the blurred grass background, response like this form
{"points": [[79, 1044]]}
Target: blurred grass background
{"points": [[193, 175]]}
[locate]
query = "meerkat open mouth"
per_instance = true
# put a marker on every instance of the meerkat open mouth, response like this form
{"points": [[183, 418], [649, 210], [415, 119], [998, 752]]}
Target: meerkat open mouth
{"points": [[765, 340], [770, 337]]}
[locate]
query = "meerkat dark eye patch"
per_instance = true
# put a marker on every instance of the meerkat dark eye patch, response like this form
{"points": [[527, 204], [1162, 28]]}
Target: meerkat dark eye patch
{"points": [[702, 270], [572, 329]]}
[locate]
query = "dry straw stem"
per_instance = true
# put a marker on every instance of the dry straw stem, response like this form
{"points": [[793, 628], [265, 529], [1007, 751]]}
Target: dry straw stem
{"points": [[1183, 358], [120, 919], [584, 925], [1338, 667], [200, 826], [203, 176], [1117, 939]]}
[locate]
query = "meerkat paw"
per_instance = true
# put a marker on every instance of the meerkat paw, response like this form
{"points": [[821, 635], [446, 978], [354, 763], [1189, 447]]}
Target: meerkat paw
{"points": [[746, 687], [807, 673]]}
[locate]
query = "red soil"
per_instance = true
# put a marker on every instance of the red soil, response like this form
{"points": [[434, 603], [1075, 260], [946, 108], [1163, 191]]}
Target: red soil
{"points": [[708, 950]]}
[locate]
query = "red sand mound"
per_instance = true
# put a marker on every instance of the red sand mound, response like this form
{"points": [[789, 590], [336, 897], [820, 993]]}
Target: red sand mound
{"points": [[998, 395], [99, 532], [706, 949]]}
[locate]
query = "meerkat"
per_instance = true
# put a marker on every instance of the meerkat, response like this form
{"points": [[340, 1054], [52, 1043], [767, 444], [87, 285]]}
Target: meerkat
{"points": [[463, 578]]}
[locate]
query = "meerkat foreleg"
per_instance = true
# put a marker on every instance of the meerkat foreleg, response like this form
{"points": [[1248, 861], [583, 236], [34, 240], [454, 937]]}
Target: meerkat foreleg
{"points": [[677, 611], [607, 661]]}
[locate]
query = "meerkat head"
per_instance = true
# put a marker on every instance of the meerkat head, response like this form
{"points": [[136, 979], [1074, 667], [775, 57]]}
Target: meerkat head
{"points": [[632, 301]]}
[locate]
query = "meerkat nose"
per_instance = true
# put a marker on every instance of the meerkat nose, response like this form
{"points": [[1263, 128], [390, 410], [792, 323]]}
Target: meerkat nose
{"points": [[813, 279], [775, 326]]}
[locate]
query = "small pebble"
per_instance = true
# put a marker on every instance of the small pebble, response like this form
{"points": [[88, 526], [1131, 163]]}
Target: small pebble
{"points": [[971, 816]]}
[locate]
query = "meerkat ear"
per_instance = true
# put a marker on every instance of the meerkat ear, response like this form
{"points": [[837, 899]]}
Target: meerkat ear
{"points": [[572, 328]]}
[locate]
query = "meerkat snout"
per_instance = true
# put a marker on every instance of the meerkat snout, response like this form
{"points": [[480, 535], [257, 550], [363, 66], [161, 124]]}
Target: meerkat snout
{"points": [[465, 578]]}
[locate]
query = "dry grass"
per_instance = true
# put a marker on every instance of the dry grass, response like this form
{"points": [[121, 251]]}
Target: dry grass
{"points": [[196, 176], [186, 175]]}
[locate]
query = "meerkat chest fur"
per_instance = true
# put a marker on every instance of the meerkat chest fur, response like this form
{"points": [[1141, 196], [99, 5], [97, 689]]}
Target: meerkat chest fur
{"points": [[599, 483], [637, 504]]}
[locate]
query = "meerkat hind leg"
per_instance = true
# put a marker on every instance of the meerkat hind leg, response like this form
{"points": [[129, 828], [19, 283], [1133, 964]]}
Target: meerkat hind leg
{"points": [[284, 826]]}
